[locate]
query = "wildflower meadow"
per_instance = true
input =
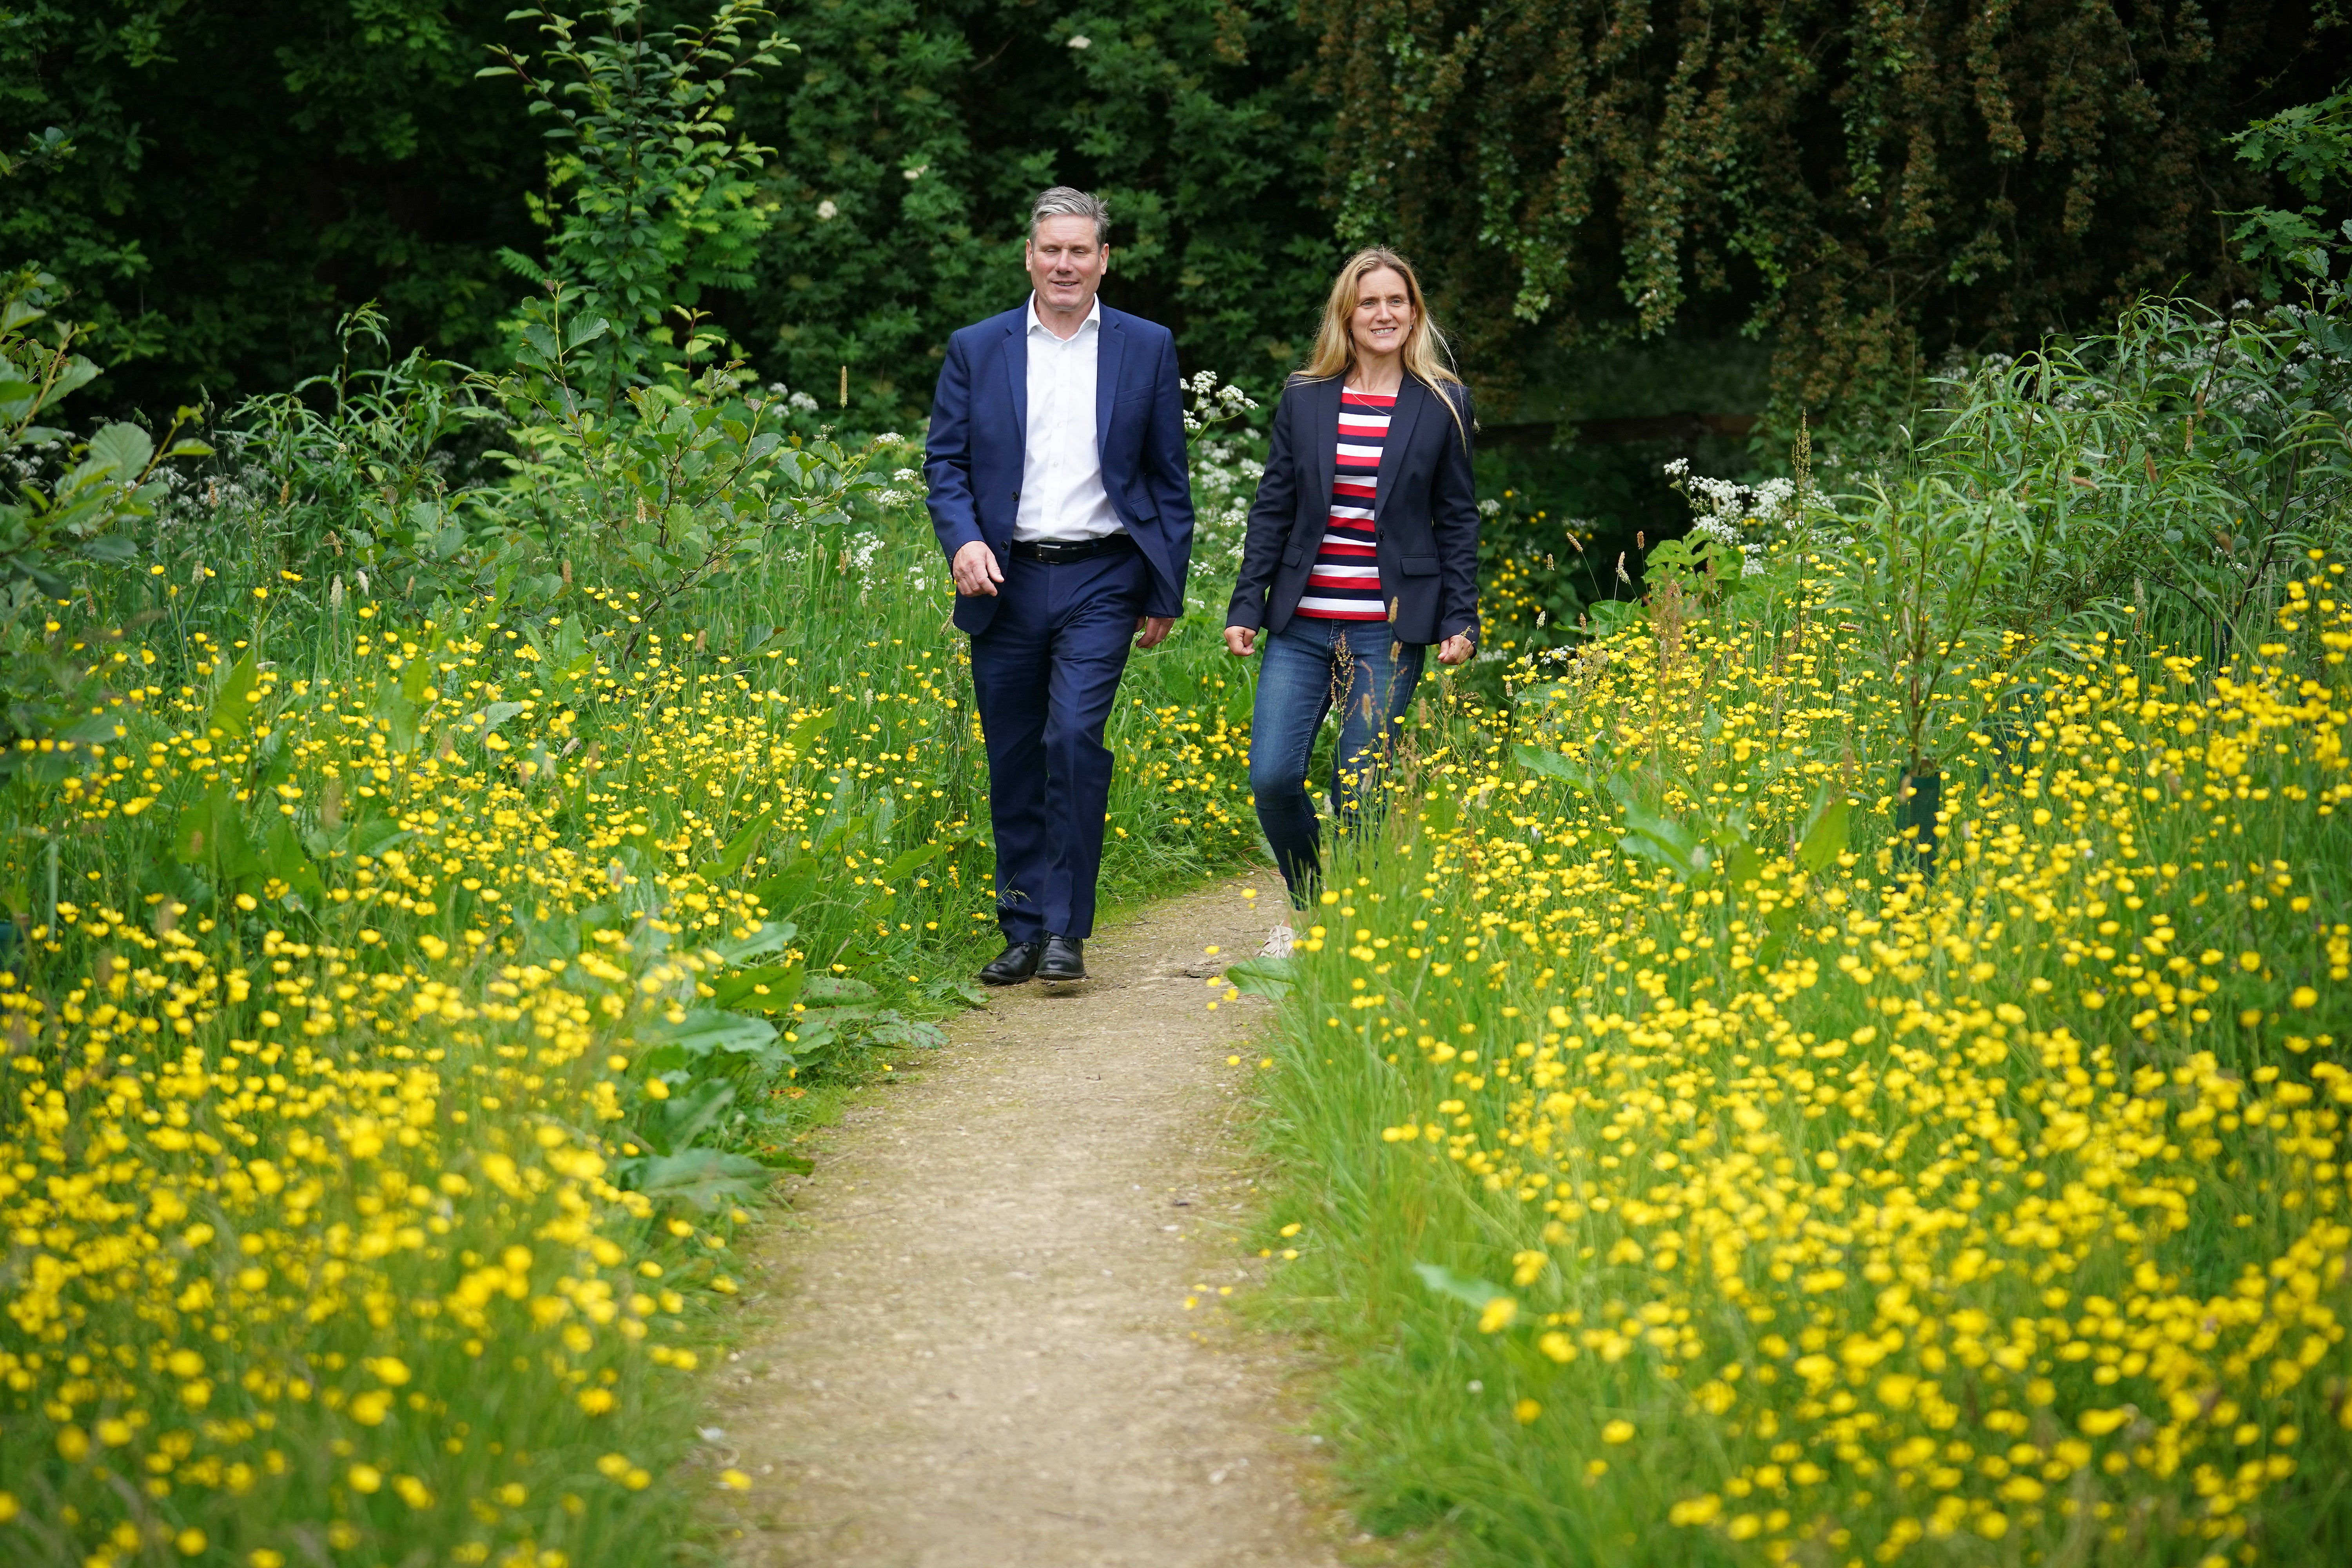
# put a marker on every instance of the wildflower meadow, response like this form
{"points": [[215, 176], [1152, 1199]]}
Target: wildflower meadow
{"points": [[1832, 1046], [409, 1001], [1850, 1066]]}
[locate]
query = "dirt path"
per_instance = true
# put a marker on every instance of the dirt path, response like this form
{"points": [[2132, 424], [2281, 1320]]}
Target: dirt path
{"points": [[983, 1353]]}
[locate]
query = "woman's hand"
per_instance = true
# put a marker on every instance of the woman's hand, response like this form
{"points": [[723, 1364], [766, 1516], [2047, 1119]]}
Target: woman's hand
{"points": [[1241, 641], [1455, 650]]}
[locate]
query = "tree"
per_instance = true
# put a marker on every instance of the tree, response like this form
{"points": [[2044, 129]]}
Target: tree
{"points": [[1867, 183]]}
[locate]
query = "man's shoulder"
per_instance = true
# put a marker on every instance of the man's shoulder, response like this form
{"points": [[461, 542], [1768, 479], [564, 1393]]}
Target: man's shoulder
{"points": [[989, 326], [1137, 326]]}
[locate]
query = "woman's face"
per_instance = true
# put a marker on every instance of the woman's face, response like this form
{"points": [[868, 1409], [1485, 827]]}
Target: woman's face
{"points": [[1384, 314]]}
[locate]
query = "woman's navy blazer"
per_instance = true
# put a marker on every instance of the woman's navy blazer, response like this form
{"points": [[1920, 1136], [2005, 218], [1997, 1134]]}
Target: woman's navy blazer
{"points": [[1425, 506]]}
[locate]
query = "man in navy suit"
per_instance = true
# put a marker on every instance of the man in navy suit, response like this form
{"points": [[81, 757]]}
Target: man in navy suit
{"points": [[1059, 491]]}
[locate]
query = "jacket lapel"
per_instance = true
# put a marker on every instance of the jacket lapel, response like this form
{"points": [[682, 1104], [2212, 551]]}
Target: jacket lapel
{"points": [[1111, 342], [1323, 429], [1016, 370], [1411, 396]]}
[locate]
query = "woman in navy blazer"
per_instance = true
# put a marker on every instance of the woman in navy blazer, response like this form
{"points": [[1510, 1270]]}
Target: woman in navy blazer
{"points": [[1362, 552]]}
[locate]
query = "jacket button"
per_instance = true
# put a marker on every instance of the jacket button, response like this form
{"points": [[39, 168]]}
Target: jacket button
{"points": [[1017, 495]]}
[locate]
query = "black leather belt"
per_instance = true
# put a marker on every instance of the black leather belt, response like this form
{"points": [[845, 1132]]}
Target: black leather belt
{"points": [[1061, 552]]}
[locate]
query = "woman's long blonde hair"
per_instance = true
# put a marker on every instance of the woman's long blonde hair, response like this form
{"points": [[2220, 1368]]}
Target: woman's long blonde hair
{"points": [[1425, 354]]}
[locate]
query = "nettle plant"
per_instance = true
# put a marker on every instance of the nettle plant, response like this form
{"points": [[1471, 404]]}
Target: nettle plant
{"points": [[681, 482]]}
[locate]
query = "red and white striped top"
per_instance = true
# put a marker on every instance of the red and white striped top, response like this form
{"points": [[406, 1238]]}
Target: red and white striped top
{"points": [[1345, 583]]}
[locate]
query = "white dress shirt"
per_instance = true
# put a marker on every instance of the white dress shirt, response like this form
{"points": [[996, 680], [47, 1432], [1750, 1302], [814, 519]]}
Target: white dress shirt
{"points": [[1062, 494]]}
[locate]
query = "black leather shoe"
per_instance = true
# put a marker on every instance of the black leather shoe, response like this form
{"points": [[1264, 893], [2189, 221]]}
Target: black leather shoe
{"points": [[1016, 963], [1065, 958]]}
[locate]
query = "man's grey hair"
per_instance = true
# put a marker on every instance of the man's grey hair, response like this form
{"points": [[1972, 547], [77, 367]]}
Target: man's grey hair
{"points": [[1064, 200]]}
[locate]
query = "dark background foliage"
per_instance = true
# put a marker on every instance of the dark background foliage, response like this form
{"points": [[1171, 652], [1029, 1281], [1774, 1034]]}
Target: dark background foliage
{"points": [[1633, 212], [1861, 184], [237, 174]]}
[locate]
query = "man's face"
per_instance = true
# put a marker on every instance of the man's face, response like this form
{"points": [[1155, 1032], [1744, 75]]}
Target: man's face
{"points": [[1067, 264]]}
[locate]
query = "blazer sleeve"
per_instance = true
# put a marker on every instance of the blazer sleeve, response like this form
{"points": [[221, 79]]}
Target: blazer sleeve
{"points": [[1453, 517], [947, 453], [1270, 517], [1168, 471]]}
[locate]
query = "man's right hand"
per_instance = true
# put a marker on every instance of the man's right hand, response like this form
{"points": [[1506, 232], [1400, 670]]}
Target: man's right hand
{"points": [[1241, 641], [976, 571]]}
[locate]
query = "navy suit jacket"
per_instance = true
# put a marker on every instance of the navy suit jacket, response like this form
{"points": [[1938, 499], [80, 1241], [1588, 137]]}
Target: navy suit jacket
{"points": [[980, 435]]}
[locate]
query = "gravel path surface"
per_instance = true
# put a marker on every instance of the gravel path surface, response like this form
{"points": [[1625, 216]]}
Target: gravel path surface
{"points": [[981, 1352]]}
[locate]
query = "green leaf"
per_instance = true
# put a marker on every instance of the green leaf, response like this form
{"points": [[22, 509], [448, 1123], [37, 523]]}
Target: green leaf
{"points": [[125, 450], [771, 937], [738, 850], [709, 1029], [232, 709], [914, 860], [741, 988], [1553, 765], [1662, 839], [1824, 838], [799, 736], [1461, 1287], [891, 1029], [678, 1122], [415, 678], [706, 1178], [1272, 977], [836, 988]]}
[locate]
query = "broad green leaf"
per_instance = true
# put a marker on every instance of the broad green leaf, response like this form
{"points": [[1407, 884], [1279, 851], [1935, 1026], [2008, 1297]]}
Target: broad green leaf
{"points": [[1461, 1287], [1553, 765], [740, 987], [1662, 839], [1263, 976], [891, 1029], [914, 860], [799, 736], [232, 709], [706, 1178], [678, 1122], [836, 988], [1824, 838], [738, 849], [771, 937], [415, 678], [125, 450], [709, 1029]]}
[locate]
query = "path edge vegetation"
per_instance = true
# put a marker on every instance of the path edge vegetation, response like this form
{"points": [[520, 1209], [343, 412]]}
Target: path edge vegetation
{"points": [[1845, 1062]]}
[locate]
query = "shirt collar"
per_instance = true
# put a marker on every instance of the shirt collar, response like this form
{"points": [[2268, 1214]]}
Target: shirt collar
{"points": [[1094, 319]]}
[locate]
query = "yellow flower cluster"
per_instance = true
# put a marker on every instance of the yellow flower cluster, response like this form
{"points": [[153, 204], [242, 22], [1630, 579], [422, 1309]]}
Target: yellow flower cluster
{"points": [[1997, 1195]]}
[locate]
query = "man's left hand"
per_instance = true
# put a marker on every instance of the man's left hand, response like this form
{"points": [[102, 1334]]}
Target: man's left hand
{"points": [[1150, 631], [1454, 649]]}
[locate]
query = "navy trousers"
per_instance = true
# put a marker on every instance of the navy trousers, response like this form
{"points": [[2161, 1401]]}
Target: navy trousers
{"points": [[1045, 673]]}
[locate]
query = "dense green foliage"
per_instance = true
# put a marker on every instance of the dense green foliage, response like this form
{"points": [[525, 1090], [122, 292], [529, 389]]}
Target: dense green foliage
{"points": [[321, 156], [1568, 175], [1868, 184]]}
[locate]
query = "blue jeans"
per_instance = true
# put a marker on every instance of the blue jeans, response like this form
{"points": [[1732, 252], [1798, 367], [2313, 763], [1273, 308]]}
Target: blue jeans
{"points": [[1312, 666]]}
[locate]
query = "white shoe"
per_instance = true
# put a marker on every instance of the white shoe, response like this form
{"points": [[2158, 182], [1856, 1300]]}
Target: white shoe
{"points": [[1277, 943]]}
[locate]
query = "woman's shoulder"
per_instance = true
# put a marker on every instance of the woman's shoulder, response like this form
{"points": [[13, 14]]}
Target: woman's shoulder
{"points": [[1454, 392]]}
